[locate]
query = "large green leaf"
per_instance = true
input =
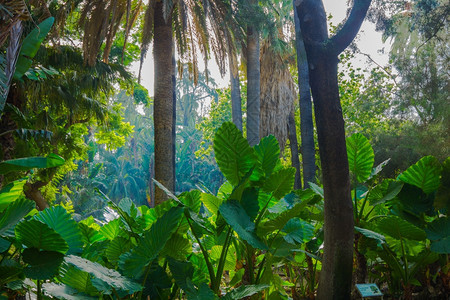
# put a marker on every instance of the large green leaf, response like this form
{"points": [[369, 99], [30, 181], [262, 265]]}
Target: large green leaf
{"points": [[57, 218], [442, 199], [230, 259], [42, 265], [250, 202], [77, 279], [424, 174], [400, 229], [298, 231], [116, 248], [28, 163], [151, 243], [268, 153], [245, 291], [11, 192], [360, 156], [181, 272], [33, 233], [385, 191], [192, 199], [237, 218], [372, 235], [14, 213], [4, 245], [211, 202], [111, 278], [280, 183], [233, 154], [30, 46], [282, 219], [438, 232], [112, 229], [177, 247], [61, 291]]}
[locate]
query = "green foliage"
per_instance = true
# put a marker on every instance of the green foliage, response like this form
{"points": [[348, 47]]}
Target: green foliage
{"points": [[424, 174], [59, 220], [151, 243], [360, 156], [30, 46], [236, 216], [233, 154], [28, 163], [35, 234]]}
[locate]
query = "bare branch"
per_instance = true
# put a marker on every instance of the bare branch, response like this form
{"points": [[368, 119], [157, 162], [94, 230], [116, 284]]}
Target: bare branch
{"points": [[348, 32]]}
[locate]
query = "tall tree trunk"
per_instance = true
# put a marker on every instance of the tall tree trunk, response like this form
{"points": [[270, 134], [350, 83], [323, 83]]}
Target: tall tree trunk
{"points": [[322, 54], [236, 102], [253, 85], [308, 150], [174, 115], [294, 150], [163, 103]]}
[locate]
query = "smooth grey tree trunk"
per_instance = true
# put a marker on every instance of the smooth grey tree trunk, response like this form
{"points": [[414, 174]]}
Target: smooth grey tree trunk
{"points": [[163, 103], [322, 53], [236, 102], [308, 150]]}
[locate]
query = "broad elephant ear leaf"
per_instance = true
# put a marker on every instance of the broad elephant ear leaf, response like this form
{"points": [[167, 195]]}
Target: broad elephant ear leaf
{"points": [[400, 229], [236, 216], [360, 156], [11, 192], [42, 265], [280, 183], [151, 243], [245, 291], [57, 218], [62, 291], [424, 174], [103, 277], [14, 213], [268, 153], [33, 233], [233, 154], [438, 232]]}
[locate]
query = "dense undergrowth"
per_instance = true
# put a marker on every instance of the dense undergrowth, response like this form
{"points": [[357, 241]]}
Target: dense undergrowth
{"points": [[255, 237]]}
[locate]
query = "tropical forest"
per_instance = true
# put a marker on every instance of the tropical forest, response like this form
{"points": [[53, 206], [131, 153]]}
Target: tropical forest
{"points": [[224, 149]]}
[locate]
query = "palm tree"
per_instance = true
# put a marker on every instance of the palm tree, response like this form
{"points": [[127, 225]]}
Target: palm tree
{"points": [[253, 82]]}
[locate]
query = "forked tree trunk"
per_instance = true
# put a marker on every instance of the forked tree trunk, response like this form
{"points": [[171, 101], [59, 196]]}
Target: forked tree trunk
{"points": [[163, 103], [308, 149], [322, 53], [253, 85]]}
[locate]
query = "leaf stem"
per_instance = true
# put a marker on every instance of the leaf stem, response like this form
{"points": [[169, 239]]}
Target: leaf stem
{"points": [[222, 259], [204, 252]]}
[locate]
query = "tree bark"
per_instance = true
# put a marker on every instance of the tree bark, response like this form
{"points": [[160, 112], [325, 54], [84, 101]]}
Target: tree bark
{"points": [[293, 143], [308, 149], [253, 85], [236, 102], [32, 192], [163, 103], [322, 54]]}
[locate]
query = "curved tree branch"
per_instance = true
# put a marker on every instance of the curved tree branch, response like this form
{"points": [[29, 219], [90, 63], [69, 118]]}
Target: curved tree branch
{"points": [[348, 32]]}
